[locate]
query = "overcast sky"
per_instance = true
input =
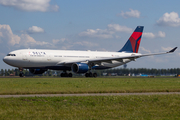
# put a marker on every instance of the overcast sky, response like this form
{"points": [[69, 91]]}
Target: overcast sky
{"points": [[103, 25]]}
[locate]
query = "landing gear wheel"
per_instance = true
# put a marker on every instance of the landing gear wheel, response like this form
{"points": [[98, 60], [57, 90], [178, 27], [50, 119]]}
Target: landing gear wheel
{"points": [[70, 75], [21, 74], [87, 74], [66, 74], [90, 74], [94, 74], [62, 74]]}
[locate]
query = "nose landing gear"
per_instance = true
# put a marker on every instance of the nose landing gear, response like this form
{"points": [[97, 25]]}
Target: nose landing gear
{"points": [[21, 74]]}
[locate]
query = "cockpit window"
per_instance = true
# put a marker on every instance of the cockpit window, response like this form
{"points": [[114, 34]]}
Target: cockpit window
{"points": [[11, 54]]}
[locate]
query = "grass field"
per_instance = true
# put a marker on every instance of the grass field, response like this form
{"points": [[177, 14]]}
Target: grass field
{"points": [[154, 107], [141, 107], [87, 85]]}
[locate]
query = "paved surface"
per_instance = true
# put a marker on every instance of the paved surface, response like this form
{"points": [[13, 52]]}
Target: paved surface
{"points": [[90, 94]]}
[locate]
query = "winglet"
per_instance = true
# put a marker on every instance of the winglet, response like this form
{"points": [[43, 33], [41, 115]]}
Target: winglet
{"points": [[172, 50]]}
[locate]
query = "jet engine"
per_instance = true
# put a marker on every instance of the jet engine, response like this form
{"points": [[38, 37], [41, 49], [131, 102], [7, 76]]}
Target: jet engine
{"points": [[79, 67], [37, 71]]}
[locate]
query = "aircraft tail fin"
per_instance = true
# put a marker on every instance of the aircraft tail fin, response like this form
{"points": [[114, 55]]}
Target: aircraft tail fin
{"points": [[132, 45]]}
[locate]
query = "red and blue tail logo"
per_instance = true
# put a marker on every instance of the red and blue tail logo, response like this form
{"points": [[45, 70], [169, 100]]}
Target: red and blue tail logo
{"points": [[132, 45]]}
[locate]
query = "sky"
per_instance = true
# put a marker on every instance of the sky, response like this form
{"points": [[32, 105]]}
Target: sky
{"points": [[102, 25]]}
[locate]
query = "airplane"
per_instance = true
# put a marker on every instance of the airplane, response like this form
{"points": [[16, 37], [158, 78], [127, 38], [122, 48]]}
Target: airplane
{"points": [[81, 62]]}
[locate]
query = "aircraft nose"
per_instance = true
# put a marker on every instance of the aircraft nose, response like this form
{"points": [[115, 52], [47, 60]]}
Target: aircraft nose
{"points": [[5, 59], [8, 60]]}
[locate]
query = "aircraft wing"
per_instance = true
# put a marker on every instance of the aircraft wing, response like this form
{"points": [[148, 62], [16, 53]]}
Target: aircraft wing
{"points": [[171, 51], [132, 57]]}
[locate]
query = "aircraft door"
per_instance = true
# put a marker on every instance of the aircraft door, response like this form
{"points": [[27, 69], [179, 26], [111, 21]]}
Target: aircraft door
{"points": [[24, 57], [48, 57]]}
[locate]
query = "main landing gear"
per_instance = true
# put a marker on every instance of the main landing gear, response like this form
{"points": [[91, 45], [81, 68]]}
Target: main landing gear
{"points": [[90, 74], [65, 74]]}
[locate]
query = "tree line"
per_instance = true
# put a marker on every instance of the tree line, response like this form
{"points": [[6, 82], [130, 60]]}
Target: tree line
{"points": [[15, 72], [115, 71], [138, 71]]}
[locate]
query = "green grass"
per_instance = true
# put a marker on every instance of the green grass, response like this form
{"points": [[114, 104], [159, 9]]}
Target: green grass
{"points": [[94, 108], [87, 85], [144, 107]]}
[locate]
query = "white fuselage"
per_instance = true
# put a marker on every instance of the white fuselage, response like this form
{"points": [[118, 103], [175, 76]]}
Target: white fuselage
{"points": [[32, 58]]}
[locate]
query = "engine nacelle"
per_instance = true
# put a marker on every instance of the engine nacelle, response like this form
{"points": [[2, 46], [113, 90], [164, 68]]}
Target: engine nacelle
{"points": [[80, 67], [37, 71]]}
